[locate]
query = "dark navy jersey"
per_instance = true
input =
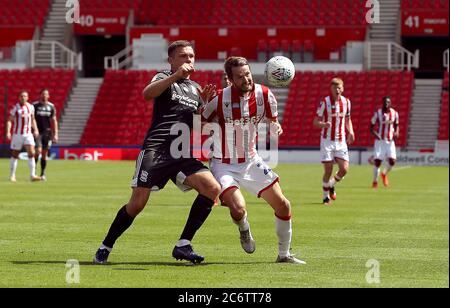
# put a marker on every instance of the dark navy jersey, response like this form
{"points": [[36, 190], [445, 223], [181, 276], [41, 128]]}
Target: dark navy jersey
{"points": [[176, 104], [43, 113]]}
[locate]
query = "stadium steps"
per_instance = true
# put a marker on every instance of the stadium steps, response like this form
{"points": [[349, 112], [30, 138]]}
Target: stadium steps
{"points": [[54, 30], [281, 95], [425, 113], [387, 30], [78, 110]]}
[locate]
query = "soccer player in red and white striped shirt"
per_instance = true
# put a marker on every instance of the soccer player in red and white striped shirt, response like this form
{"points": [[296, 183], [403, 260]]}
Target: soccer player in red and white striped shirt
{"points": [[386, 121], [239, 109], [22, 115], [333, 117]]}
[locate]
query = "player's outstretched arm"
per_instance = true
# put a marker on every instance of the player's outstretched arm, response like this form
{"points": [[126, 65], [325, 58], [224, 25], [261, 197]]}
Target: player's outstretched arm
{"points": [[207, 93]]}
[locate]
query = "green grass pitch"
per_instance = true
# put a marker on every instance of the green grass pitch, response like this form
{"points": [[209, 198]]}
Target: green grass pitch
{"points": [[404, 228]]}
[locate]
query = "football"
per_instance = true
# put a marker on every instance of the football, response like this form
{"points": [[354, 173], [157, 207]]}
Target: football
{"points": [[279, 71]]}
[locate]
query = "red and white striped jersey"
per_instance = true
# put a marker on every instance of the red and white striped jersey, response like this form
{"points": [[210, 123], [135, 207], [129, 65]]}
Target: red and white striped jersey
{"points": [[22, 118], [238, 118], [335, 113], [386, 123]]}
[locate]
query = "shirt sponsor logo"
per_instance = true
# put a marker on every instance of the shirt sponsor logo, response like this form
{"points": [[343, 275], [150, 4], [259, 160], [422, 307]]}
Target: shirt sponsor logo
{"points": [[184, 100]]}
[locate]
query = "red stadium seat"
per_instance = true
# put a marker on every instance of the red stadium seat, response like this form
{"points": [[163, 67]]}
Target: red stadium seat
{"points": [[307, 89], [105, 118], [18, 80]]}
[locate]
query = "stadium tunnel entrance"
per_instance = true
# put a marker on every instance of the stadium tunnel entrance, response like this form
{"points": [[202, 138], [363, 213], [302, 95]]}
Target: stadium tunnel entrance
{"points": [[431, 51], [95, 48]]}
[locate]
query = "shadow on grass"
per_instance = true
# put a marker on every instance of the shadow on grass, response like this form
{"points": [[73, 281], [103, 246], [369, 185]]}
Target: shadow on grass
{"points": [[110, 264]]}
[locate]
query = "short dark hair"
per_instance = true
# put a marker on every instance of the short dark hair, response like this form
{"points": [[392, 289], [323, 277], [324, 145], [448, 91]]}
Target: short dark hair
{"points": [[386, 98], [176, 44], [43, 90], [234, 62]]}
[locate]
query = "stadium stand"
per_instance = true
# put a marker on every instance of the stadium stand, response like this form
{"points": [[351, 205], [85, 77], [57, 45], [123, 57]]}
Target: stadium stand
{"points": [[58, 82], [23, 12], [443, 123], [120, 115], [20, 18], [254, 12], [362, 88], [425, 4]]}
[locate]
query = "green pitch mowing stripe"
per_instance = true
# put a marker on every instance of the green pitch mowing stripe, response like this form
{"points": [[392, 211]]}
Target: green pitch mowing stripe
{"points": [[403, 229]]}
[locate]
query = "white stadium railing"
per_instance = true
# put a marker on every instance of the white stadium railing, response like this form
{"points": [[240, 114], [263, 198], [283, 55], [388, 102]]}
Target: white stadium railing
{"points": [[389, 55], [446, 59], [55, 55]]}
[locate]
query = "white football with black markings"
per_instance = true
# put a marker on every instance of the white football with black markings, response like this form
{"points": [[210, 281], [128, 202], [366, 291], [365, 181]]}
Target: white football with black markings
{"points": [[279, 71]]}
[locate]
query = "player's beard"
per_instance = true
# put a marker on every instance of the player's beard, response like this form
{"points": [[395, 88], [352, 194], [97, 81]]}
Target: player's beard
{"points": [[246, 88]]}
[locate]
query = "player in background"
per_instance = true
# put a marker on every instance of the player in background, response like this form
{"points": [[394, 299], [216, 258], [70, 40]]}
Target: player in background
{"points": [[236, 163], [225, 82], [47, 123], [22, 115], [333, 117], [386, 120], [176, 99]]}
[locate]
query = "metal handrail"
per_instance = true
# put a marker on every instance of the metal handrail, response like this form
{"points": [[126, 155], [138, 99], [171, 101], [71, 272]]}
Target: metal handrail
{"points": [[446, 59], [70, 59], [115, 62], [397, 56]]}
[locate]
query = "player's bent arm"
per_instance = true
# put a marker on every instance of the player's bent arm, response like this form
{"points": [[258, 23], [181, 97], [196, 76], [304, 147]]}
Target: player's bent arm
{"points": [[397, 130], [277, 125], [372, 130], [320, 124], [156, 88]]}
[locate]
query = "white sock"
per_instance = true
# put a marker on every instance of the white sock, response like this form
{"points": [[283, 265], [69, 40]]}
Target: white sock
{"points": [[105, 247], [182, 243], [387, 169], [335, 179], [376, 173], [243, 223], [32, 166], [326, 190], [284, 232], [13, 166]]}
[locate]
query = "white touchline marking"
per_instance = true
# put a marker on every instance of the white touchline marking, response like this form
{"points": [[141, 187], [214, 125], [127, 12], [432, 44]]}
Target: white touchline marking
{"points": [[401, 168]]}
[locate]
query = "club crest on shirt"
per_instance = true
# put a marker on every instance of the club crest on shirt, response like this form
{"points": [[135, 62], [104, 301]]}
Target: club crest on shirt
{"points": [[260, 101]]}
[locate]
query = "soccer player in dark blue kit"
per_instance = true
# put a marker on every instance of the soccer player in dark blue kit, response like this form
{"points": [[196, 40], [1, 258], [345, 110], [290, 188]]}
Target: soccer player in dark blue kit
{"points": [[47, 123], [176, 99]]}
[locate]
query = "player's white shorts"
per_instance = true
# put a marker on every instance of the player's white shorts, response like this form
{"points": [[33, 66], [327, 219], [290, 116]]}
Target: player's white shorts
{"points": [[330, 150], [255, 175], [18, 141], [384, 149]]}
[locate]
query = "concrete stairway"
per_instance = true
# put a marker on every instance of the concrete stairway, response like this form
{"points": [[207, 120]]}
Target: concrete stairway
{"points": [[425, 114], [54, 30], [78, 110], [386, 30]]}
